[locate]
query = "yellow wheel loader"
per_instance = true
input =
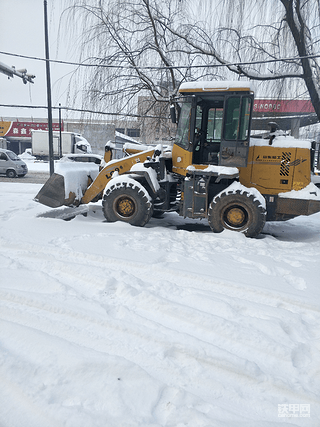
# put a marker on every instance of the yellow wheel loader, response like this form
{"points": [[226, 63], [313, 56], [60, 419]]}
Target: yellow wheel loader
{"points": [[213, 170]]}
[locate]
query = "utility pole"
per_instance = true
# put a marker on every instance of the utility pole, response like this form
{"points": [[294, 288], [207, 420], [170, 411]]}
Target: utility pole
{"points": [[48, 89]]}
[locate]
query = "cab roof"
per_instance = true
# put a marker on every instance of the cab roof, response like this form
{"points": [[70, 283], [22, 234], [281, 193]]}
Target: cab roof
{"points": [[215, 86]]}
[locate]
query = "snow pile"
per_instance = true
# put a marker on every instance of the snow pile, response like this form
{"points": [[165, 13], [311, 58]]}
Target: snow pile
{"points": [[27, 156], [139, 167], [282, 142], [236, 186], [76, 176], [220, 170], [137, 146], [122, 180], [104, 324], [208, 86], [310, 192], [37, 166]]}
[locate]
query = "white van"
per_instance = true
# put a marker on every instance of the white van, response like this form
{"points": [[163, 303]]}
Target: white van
{"points": [[11, 164]]}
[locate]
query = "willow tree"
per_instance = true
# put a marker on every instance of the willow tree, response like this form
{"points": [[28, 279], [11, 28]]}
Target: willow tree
{"points": [[275, 41], [133, 50], [147, 48]]}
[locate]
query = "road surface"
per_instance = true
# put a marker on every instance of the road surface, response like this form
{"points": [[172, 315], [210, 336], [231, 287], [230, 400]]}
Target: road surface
{"points": [[30, 178]]}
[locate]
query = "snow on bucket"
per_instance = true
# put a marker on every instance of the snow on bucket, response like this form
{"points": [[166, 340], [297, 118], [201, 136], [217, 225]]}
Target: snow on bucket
{"points": [[68, 185]]}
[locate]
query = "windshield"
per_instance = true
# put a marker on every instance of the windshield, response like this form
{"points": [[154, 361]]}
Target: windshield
{"points": [[12, 155]]}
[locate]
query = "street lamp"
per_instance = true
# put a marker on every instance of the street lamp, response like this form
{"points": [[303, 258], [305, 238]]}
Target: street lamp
{"points": [[11, 71]]}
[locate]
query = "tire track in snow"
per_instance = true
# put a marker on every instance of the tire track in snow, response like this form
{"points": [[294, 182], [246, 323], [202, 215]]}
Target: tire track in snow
{"points": [[120, 305], [80, 276], [108, 265], [108, 336]]}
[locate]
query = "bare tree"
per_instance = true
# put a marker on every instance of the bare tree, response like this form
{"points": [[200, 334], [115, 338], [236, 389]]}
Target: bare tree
{"points": [[135, 52], [255, 40], [125, 37], [148, 47]]}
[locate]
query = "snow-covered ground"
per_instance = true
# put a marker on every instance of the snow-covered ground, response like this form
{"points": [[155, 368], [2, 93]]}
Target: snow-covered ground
{"points": [[108, 325], [33, 164]]}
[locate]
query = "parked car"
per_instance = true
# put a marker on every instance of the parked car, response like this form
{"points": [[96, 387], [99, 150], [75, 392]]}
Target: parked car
{"points": [[86, 158], [11, 165]]}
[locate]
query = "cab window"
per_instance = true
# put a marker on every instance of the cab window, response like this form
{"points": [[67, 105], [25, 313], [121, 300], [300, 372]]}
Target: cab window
{"points": [[237, 118], [245, 118], [232, 118], [214, 129], [183, 131]]}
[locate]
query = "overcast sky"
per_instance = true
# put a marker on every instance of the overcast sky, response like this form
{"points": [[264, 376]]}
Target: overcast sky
{"points": [[22, 32]]}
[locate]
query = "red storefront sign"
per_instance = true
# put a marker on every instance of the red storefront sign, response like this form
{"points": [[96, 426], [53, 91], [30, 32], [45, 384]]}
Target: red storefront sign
{"points": [[282, 106], [23, 129]]}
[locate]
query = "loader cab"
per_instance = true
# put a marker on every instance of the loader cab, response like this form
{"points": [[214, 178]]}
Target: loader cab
{"points": [[214, 125]]}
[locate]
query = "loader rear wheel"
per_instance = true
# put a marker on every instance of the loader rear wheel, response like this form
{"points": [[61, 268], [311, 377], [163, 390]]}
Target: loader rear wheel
{"points": [[127, 202], [238, 211]]}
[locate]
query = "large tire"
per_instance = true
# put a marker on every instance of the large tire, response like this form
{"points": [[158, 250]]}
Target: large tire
{"points": [[157, 213], [238, 211], [127, 202]]}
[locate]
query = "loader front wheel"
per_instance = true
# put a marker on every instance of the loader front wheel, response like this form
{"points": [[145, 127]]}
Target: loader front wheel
{"points": [[127, 202], [238, 211]]}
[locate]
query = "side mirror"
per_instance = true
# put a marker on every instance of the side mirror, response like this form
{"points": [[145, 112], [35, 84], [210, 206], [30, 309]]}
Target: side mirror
{"points": [[173, 113]]}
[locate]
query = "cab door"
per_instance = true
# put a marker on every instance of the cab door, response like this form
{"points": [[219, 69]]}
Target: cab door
{"points": [[236, 130], [183, 145], [208, 133]]}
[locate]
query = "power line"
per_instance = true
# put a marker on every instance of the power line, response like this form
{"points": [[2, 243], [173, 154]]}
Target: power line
{"points": [[84, 111], [235, 64]]}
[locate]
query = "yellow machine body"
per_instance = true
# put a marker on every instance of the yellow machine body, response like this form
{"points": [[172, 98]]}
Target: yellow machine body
{"points": [[181, 159], [274, 170], [120, 166]]}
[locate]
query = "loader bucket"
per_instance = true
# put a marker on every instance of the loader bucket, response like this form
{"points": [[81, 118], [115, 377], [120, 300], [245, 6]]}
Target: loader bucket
{"points": [[67, 186], [52, 194]]}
